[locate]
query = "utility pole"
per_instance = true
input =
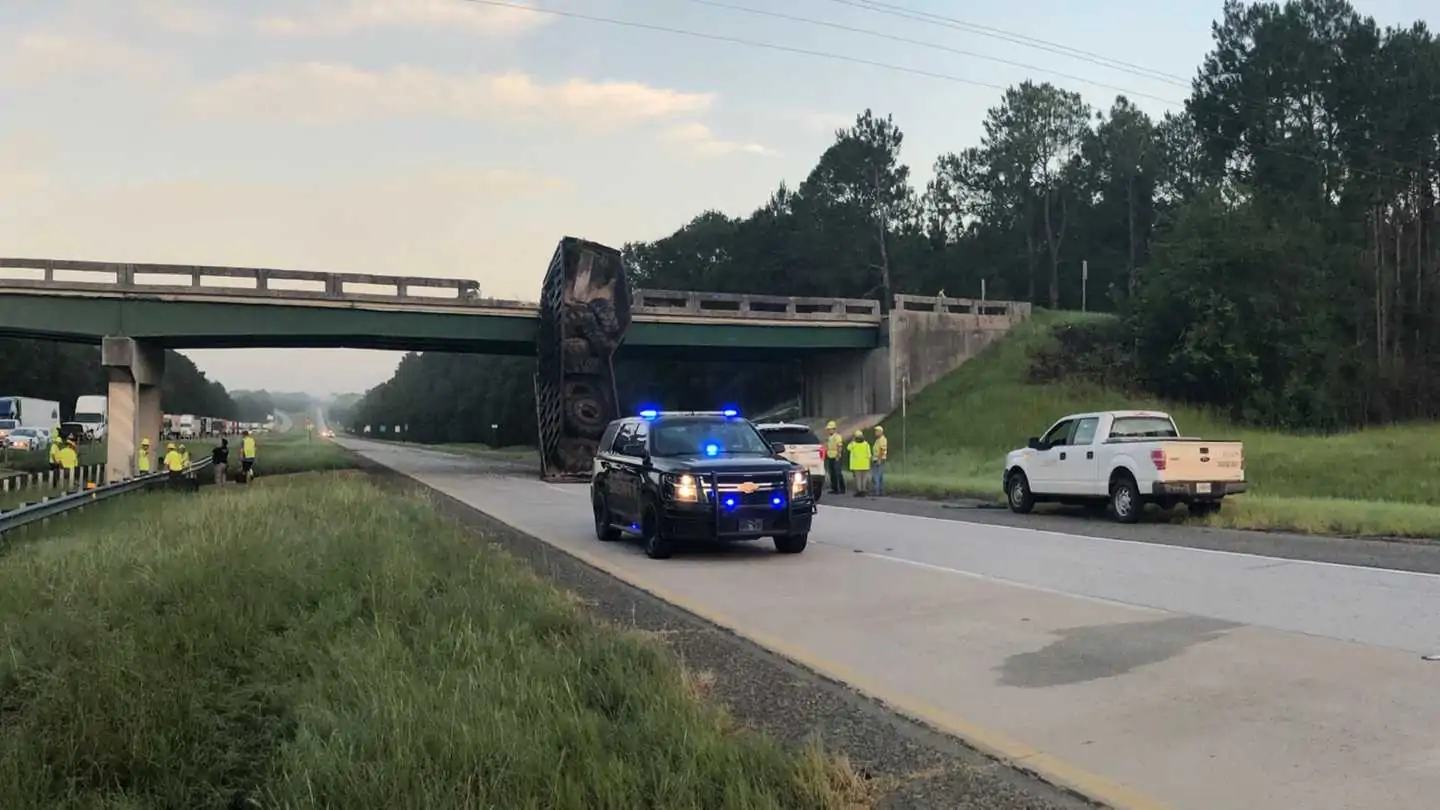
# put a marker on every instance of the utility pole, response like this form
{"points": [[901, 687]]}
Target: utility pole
{"points": [[1084, 283]]}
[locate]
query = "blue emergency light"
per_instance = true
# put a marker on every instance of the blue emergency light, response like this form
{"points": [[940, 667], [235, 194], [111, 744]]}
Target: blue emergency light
{"points": [[649, 413], [712, 449], [730, 412]]}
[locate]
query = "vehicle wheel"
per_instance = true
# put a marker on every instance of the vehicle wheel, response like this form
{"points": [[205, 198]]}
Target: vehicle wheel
{"points": [[604, 532], [1017, 492], [1204, 508], [1125, 501], [657, 546], [791, 543], [585, 408]]}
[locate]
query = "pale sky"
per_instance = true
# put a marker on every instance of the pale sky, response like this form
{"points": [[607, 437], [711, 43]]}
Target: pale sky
{"points": [[449, 138]]}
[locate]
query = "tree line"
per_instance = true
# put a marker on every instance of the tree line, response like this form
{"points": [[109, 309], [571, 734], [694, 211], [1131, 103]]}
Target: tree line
{"points": [[1269, 248], [66, 371]]}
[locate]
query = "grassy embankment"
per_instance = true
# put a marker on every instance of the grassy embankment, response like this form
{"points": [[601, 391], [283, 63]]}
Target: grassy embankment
{"points": [[279, 454], [315, 641], [1371, 482]]}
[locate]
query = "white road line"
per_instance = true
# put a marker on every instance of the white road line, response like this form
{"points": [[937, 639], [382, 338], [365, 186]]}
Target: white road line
{"points": [[1011, 582], [1155, 545]]}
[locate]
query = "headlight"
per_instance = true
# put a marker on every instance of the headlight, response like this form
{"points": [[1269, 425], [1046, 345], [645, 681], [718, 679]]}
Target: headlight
{"points": [[684, 488], [799, 483]]}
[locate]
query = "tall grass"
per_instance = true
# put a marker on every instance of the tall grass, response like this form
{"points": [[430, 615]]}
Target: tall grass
{"points": [[1378, 481], [313, 641]]}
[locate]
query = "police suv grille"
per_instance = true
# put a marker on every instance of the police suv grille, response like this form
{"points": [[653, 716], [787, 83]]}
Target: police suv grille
{"points": [[765, 486]]}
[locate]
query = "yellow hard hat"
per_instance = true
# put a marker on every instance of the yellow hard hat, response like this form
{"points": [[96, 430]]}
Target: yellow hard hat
{"points": [[879, 431], [170, 446], [830, 425], [859, 434], [144, 442]]}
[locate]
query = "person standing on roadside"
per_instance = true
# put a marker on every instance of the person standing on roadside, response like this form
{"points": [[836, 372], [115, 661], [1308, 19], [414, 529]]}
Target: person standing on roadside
{"points": [[247, 456], [220, 460], [69, 459], [858, 454], [880, 451], [142, 458], [834, 455]]}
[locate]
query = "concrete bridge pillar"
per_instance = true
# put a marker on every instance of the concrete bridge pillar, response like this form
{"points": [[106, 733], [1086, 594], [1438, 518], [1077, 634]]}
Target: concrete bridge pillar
{"points": [[136, 371]]}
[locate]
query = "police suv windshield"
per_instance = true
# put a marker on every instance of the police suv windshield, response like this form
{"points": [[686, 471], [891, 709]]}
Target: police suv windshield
{"points": [[706, 437]]}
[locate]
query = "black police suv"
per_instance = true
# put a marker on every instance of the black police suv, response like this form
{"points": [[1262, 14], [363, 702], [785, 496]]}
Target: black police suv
{"points": [[670, 476]]}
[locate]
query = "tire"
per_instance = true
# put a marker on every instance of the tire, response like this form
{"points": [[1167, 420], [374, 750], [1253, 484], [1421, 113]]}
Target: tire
{"points": [[657, 545], [576, 455], [1018, 494], [604, 532], [585, 409], [791, 543], [576, 349], [1125, 502]]}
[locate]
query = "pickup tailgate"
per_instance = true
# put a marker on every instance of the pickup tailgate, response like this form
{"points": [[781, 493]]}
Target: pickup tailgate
{"points": [[1201, 461], [808, 456]]}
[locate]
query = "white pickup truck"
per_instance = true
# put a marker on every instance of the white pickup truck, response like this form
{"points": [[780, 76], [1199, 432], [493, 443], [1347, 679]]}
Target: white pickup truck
{"points": [[1124, 460]]}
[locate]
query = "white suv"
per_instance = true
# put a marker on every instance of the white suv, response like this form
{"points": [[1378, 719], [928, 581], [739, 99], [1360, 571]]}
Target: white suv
{"points": [[803, 447]]}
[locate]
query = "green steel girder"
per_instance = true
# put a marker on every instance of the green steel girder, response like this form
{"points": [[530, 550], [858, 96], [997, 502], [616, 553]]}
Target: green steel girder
{"points": [[180, 324]]}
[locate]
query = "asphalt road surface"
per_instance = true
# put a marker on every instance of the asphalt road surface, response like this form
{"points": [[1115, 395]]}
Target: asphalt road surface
{"points": [[1147, 675]]}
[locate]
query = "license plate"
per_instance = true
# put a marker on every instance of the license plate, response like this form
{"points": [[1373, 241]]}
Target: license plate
{"points": [[752, 526], [1202, 489]]}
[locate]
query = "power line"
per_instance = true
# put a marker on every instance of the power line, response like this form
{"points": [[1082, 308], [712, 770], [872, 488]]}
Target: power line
{"points": [[574, 15], [893, 10], [931, 45], [1321, 162]]}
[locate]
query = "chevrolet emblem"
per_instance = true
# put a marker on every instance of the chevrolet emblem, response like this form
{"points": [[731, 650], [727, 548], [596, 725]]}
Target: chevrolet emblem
{"points": [[748, 487]]}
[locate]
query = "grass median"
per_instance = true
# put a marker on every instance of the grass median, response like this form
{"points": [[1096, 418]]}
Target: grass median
{"points": [[1370, 482], [315, 641]]}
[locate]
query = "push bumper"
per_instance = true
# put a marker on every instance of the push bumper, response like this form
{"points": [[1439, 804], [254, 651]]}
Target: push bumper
{"points": [[703, 521], [1197, 490]]}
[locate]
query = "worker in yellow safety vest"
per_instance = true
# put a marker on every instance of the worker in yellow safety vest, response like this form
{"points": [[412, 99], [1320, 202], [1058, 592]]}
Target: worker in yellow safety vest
{"points": [[68, 457], [142, 458], [174, 462], [55, 446], [858, 453], [247, 456], [834, 452], [174, 466], [880, 452]]}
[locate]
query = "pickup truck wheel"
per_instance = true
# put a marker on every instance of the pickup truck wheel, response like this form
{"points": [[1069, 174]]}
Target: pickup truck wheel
{"points": [[791, 543], [657, 546], [1017, 492], [604, 532], [1125, 500]]}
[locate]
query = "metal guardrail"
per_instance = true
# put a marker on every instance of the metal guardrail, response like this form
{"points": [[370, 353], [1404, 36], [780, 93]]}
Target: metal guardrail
{"points": [[53, 507]]}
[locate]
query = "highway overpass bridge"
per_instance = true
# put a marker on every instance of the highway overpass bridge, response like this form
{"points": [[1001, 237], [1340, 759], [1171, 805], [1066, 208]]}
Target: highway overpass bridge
{"points": [[857, 358]]}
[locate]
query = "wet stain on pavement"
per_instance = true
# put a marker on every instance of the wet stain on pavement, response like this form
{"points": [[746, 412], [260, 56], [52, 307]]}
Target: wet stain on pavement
{"points": [[1101, 651]]}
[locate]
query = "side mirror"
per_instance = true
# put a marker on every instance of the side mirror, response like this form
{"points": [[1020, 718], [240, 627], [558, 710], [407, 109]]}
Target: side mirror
{"points": [[778, 448], [1033, 443]]}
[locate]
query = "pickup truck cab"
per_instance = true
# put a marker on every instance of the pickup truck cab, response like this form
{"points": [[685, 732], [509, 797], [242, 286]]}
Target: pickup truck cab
{"points": [[1124, 460]]}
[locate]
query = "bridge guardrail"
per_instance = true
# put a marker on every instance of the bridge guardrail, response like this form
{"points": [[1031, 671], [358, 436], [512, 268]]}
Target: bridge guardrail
{"points": [[252, 282], [53, 507], [256, 283]]}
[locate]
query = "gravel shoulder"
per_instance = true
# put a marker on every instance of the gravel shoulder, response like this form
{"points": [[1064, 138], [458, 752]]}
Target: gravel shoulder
{"points": [[1394, 554], [909, 764]]}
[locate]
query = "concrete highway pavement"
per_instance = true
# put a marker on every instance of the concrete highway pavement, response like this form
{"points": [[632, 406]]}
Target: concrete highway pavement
{"points": [[1146, 675]]}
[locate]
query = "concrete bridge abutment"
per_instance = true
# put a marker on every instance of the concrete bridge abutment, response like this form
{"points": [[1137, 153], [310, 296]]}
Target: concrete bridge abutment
{"points": [[923, 339], [136, 370]]}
